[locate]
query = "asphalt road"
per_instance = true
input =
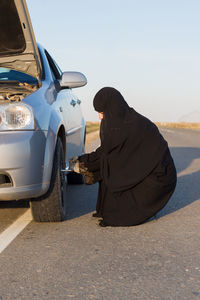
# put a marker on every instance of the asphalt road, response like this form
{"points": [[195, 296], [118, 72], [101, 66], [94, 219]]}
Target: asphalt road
{"points": [[77, 259]]}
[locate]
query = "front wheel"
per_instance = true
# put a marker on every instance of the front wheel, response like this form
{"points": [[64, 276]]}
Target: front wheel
{"points": [[52, 206]]}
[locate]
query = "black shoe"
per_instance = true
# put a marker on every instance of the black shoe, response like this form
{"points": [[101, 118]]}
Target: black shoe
{"points": [[103, 224], [96, 215]]}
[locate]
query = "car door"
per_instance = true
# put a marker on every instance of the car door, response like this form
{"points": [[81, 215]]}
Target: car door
{"points": [[69, 106], [75, 133]]}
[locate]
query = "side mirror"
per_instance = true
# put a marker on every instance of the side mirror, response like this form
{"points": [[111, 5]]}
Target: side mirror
{"points": [[72, 80]]}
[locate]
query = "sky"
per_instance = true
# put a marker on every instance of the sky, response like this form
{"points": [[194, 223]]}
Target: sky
{"points": [[147, 49]]}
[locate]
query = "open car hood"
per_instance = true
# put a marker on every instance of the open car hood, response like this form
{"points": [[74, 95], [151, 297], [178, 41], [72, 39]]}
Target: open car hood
{"points": [[18, 48]]}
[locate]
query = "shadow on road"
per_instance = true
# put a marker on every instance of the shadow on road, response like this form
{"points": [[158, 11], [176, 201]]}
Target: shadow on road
{"points": [[188, 184], [81, 199], [183, 156], [14, 204]]}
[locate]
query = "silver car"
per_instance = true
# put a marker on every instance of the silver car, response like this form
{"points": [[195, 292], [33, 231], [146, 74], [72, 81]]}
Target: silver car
{"points": [[41, 124]]}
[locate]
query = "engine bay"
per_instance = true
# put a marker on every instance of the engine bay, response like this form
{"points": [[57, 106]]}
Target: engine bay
{"points": [[15, 93]]}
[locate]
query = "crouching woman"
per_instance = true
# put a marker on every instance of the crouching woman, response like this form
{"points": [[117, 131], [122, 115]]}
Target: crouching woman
{"points": [[133, 164]]}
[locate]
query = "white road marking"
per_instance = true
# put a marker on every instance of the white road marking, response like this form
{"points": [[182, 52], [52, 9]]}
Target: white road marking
{"points": [[8, 235]]}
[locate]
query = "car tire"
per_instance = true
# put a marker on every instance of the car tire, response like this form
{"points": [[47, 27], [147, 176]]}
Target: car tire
{"points": [[52, 206]]}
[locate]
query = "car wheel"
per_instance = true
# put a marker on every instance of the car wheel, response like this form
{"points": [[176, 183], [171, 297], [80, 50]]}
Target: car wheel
{"points": [[52, 206]]}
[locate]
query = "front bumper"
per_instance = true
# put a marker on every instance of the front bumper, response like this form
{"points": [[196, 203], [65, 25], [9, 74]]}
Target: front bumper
{"points": [[22, 163]]}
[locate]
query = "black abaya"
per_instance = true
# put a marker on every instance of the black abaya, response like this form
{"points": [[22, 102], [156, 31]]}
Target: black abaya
{"points": [[134, 167]]}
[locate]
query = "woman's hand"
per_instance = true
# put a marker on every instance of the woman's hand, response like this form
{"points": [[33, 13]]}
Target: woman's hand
{"points": [[74, 163], [76, 166]]}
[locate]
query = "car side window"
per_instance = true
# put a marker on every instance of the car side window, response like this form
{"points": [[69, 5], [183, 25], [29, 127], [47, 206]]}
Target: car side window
{"points": [[55, 70]]}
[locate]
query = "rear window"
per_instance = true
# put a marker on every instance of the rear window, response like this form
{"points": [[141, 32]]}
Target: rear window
{"points": [[11, 34]]}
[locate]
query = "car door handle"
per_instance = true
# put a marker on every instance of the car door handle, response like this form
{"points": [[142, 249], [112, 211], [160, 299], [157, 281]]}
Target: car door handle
{"points": [[79, 101], [73, 102]]}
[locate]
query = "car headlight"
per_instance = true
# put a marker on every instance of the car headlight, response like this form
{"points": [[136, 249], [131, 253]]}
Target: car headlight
{"points": [[16, 116]]}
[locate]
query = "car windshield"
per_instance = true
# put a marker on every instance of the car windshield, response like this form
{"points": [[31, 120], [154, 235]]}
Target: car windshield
{"points": [[12, 75]]}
